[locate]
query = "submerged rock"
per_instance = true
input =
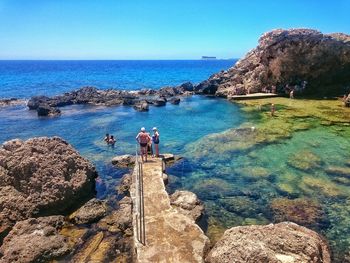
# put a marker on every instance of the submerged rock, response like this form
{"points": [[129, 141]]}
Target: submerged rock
{"points": [[304, 160], [124, 160], [187, 203], [303, 60], [90, 212], [283, 242], [42, 176], [35, 240], [305, 212]]}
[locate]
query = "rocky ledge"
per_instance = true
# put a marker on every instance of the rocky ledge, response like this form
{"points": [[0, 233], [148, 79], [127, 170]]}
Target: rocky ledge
{"points": [[11, 102], [302, 60], [283, 242], [140, 100], [41, 176]]}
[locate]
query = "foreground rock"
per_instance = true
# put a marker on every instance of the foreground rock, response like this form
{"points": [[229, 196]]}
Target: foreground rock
{"points": [[283, 242], [90, 212], [124, 160], [302, 60], [35, 240], [187, 203], [42, 176]]}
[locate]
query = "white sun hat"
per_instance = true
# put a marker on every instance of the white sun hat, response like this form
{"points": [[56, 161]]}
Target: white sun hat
{"points": [[154, 128], [143, 129]]}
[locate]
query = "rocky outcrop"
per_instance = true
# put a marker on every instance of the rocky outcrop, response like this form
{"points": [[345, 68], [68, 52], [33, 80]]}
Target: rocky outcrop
{"points": [[35, 240], [187, 203], [302, 60], [42, 176], [283, 242], [90, 212], [123, 188], [126, 160], [90, 95], [175, 101], [141, 106], [47, 110], [11, 102]]}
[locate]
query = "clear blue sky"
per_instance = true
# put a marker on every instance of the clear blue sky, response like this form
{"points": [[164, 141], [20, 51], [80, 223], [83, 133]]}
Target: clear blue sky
{"points": [[154, 29]]}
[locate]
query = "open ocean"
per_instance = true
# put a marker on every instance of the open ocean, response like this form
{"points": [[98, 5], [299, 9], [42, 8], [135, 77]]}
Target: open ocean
{"points": [[23, 79]]}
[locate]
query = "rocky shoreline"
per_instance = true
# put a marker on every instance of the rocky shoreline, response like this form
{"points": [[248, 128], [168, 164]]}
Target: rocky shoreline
{"points": [[140, 99]]}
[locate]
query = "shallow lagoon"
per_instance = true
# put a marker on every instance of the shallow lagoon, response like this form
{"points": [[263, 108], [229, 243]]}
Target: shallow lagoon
{"points": [[248, 167], [294, 166]]}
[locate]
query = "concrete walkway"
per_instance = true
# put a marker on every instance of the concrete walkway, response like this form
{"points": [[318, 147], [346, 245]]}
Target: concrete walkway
{"points": [[252, 96], [170, 236]]}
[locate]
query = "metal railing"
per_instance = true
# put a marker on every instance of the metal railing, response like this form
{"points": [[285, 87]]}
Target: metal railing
{"points": [[140, 205]]}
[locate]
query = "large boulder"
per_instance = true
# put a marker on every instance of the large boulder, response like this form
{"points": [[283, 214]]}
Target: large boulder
{"points": [[303, 60], [283, 242], [35, 240], [42, 176], [187, 203]]}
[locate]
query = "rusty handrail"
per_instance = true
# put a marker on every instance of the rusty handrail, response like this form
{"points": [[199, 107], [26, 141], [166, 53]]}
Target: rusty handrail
{"points": [[140, 204]]}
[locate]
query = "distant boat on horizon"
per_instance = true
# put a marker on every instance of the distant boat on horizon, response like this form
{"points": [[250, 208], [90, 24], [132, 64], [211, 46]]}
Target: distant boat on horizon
{"points": [[208, 57]]}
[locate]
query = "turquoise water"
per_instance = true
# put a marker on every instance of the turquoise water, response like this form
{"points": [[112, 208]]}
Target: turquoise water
{"points": [[85, 126], [304, 177], [243, 187]]}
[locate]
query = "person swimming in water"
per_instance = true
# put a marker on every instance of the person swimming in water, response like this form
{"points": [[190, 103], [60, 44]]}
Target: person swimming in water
{"points": [[111, 140], [143, 139], [155, 140], [106, 139]]}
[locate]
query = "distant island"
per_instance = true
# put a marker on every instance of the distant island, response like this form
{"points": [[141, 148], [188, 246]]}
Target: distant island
{"points": [[208, 57]]}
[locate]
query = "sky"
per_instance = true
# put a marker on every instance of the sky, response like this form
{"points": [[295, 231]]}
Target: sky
{"points": [[155, 29]]}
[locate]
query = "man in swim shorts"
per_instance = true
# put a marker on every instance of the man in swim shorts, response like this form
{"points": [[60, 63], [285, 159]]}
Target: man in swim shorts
{"points": [[143, 139]]}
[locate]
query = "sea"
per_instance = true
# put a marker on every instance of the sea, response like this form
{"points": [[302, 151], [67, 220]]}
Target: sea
{"points": [[189, 130]]}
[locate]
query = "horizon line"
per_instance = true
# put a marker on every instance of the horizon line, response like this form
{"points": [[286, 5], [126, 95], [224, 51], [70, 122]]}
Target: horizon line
{"points": [[164, 59]]}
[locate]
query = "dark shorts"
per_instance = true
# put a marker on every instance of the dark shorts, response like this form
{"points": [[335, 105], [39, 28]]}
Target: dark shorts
{"points": [[156, 142], [143, 144]]}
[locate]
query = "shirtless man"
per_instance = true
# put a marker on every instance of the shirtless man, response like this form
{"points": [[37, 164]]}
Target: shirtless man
{"points": [[143, 139]]}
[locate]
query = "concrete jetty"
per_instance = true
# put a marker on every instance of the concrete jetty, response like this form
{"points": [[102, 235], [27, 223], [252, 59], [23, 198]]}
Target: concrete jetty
{"points": [[252, 96], [169, 236]]}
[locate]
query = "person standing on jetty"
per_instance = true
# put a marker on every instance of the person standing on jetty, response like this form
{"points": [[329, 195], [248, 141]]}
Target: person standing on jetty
{"points": [[155, 140], [143, 139]]}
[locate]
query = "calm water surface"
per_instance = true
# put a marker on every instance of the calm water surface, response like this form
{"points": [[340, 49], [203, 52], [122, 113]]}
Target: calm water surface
{"points": [[238, 187]]}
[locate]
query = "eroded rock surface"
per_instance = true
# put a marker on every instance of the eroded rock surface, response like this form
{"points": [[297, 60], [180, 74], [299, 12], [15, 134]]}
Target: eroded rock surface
{"points": [[187, 203], [302, 60], [35, 240], [90, 212], [42, 176], [124, 160], [283, 242]]}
